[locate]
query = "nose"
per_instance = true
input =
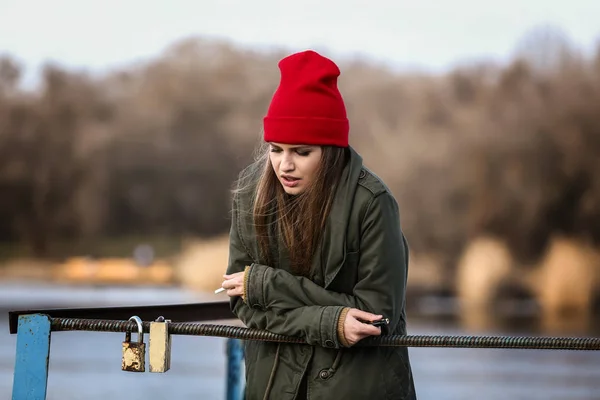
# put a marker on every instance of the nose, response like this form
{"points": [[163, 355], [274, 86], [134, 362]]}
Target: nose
{"points": [[287, 162]]}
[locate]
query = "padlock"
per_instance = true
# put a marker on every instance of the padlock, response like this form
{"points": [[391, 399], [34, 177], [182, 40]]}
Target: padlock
{"points": [[160, 345], [134, 353]]}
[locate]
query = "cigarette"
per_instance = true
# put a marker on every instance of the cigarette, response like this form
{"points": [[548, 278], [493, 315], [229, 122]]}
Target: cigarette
{"points": [[219, 290]]}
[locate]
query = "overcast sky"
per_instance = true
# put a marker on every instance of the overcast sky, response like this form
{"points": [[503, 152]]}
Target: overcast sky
{"points": [[434, 34]]}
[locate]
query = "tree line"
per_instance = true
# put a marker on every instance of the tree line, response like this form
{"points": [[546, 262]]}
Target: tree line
{"points": [[509, 150]]}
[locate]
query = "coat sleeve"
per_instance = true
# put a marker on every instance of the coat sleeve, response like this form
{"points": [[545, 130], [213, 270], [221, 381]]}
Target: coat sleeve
{"points": [[317, 324], [382, 272]]}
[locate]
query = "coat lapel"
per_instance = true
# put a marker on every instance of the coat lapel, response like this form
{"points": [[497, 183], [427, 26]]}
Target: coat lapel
{"points": [[333, 246]]}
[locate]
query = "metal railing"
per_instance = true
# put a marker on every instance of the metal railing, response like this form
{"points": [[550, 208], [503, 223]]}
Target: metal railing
{"points": [[34, 328]]}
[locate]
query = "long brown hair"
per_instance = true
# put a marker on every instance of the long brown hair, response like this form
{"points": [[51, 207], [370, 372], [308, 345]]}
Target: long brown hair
{"points": [[299, 220]]}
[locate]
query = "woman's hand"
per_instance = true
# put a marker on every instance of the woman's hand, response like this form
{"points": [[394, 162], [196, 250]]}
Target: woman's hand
{"points": [[234, 284], [356, 330]]}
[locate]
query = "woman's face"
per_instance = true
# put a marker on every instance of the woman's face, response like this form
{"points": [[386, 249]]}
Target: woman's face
{"points": [[295, 165]]}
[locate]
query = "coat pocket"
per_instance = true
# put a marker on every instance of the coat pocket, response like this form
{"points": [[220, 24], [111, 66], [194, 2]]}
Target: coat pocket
{"points": [[398, 378]]}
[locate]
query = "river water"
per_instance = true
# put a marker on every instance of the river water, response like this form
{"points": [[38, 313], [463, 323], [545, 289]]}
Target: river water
{"points": [[86, 365]]}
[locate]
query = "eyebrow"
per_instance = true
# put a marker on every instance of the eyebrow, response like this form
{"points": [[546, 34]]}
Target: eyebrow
{"points": [[303, 147]]}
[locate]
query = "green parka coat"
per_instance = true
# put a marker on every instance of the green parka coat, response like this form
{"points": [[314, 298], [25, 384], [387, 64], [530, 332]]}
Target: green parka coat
{"points": [[361, 263]]}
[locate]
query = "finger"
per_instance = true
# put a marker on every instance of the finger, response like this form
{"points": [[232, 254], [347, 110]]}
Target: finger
{"points": [[365, 316], [369, 330], [234, 292], [228, 284], [361, 328]]}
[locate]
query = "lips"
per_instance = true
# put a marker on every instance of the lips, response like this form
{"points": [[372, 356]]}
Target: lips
{"points": [[289, 181]]}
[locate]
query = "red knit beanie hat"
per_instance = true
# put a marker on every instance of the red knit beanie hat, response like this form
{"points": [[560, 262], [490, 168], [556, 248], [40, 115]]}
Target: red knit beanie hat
{"points": [[307, 107]]}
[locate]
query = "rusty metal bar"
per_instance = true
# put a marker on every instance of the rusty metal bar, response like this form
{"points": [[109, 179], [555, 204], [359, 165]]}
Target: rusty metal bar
{"points": [[237, 332]]}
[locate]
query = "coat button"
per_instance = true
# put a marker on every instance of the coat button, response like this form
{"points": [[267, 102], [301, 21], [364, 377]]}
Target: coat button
{"points": [[324, 374], [329, 343]]}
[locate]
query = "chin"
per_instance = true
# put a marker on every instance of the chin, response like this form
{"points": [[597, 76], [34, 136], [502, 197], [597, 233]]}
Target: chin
{"points": [[292, 191]]}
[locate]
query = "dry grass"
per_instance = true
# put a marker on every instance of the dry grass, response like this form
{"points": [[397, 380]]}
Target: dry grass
{"points": [[564, 280], [26, 269], [567, 278], [202, 263], [486, 264]]}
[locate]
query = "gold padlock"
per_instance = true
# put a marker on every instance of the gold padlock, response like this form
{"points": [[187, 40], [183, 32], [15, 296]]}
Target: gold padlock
{"points": [[134, 353], [160, 345]]}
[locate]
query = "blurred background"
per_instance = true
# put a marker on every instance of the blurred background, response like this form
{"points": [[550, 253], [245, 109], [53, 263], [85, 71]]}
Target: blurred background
{"points": [[124, 124]]}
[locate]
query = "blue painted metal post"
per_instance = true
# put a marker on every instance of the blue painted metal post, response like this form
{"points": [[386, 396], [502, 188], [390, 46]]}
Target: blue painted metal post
{"points": [[33, 353], [235, 382]]}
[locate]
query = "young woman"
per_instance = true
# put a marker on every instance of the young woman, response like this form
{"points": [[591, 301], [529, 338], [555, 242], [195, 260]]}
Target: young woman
{"points": [[316, 251]]}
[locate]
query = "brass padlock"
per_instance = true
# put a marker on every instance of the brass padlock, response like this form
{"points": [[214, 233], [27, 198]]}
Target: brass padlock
{"points": [[160, 345], [134, 353]]}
